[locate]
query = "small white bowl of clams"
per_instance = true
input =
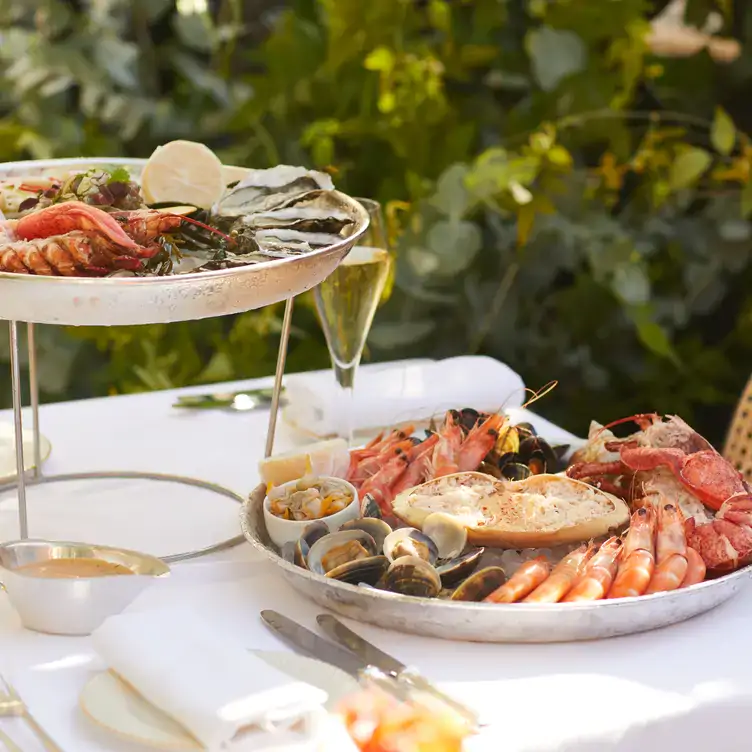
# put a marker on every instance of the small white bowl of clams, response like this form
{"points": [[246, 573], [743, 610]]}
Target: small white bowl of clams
{"points": [[290, 507]]}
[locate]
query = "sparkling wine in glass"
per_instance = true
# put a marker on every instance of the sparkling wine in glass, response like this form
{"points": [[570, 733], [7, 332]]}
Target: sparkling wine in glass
{"points": [[346, 302]]}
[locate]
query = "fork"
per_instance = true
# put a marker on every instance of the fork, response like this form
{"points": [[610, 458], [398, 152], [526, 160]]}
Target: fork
{"points": [[12, 704], [9, 744]]}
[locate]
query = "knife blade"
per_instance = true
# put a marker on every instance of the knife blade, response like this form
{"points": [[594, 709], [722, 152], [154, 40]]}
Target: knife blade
{"points": [[317, 647], [372, 655]]}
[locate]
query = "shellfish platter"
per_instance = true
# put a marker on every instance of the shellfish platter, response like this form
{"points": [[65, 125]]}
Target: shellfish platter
{"points": [[176, 237], [183, 212], [479, 529]]}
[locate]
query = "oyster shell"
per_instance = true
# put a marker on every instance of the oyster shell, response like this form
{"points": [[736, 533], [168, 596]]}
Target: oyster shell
{"points": [[262, 190]]}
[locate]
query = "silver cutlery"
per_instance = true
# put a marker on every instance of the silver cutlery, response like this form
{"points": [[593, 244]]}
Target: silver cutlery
{"points": [[11, 704], [372, 655], [360, 659], [245, 401], [317, 647], [8, 743]]}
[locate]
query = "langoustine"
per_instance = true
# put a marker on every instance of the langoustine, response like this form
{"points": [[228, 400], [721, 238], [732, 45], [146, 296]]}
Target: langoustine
{"points": [[69, 239]]}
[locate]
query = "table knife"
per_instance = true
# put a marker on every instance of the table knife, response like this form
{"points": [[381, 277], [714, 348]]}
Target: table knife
{"points": [[317, 647], [373, 656], [252, 399]]}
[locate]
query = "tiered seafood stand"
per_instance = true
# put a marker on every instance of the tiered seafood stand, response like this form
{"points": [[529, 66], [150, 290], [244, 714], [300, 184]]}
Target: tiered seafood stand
{"points": [[117, 301], [125, 301]]}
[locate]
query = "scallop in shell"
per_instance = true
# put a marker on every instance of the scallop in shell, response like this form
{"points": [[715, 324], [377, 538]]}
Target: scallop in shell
{"points": [[407, 541], [447, 532], [410, 575]]}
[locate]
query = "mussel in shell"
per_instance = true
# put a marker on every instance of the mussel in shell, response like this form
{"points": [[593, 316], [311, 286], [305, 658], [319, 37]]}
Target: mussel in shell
{"points": [[407, 541], [376, 528], [538, 455], [515, 471], [479, 585], [457, 569], [447, 532], [410, 575]]}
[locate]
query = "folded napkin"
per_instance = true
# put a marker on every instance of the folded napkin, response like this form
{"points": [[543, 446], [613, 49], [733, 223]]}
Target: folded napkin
{"points": [[205, 681], [401, 392]]}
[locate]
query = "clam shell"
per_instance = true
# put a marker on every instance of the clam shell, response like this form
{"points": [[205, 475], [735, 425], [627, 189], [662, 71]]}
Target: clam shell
{"points": [[408, 541], [410, 575], [447, 532], [457, 569], [368, 571], [376, 528], [339, 548], [479, 585], [311, 533]]}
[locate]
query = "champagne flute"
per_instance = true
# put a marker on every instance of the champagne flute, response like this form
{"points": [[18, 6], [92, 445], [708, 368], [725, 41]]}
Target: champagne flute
{"points": [[346, 302]]}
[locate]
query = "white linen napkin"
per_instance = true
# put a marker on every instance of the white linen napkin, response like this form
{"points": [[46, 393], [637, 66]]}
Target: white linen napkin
{"points": [[401, 392], [204, 680]]}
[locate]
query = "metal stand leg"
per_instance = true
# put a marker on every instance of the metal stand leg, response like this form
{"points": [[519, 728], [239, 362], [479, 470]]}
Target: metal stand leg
{"points": [[281, 357], [34, 390], [15, 381]]}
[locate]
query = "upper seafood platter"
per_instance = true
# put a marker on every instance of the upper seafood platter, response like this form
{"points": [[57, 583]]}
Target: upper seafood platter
{"points": [[176, 237], [479, 529]]}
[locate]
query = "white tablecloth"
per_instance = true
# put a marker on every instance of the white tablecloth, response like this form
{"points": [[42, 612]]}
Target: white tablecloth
{"points": [[685, 687]]}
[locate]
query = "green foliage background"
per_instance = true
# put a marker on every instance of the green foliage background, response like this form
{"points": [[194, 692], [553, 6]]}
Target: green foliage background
{"points": [[558, 197]]}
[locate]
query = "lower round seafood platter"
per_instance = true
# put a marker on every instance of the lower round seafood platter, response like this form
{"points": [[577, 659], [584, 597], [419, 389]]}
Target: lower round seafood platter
{"points": [[480, 529]]}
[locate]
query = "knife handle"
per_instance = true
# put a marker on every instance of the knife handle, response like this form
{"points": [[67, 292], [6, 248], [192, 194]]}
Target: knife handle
{"points": [[413, 678]]}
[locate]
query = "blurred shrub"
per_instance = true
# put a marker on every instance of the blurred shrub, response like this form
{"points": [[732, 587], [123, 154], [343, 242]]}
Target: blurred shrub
{"points": [[559, 198]]}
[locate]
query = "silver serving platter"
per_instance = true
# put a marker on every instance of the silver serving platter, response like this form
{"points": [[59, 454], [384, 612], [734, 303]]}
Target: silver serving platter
{"points": [[490, 622], [117, 301]]}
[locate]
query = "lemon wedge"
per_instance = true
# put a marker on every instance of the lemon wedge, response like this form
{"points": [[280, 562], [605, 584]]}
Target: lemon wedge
{"points": [[185, 172]]}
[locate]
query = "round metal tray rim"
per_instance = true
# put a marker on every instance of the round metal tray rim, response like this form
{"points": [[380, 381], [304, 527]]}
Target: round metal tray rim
{"points": [[159, 477], [435, 603]]}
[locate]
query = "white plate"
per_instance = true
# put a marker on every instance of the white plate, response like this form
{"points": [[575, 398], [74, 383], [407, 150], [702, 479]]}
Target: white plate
{"points": [[118, 708], [8, 451]]}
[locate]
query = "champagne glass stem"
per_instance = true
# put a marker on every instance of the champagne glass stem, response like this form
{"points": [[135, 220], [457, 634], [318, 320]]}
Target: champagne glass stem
{"points": [[346, 380]]}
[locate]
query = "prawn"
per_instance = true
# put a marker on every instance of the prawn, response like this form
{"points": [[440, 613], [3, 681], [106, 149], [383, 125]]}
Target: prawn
{"points": [[598, 575], [637, 558], [670, 550], [524, 581], [563, 576], [696, 568]]}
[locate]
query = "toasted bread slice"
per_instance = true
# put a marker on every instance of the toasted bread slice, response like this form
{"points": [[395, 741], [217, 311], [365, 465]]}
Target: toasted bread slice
{"points": [[538, 512]]}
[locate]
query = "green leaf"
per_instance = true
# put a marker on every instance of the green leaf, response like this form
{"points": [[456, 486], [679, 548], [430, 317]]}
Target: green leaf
{"points": [[555, 55], [381, 59], [688, 167], [451, 197], [654, 337], [723, 132], [455, 245], [119, 175], [631, 284]]}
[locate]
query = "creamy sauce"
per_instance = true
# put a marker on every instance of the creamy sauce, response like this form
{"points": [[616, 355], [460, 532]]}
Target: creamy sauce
{"points": [[83, 567]]}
